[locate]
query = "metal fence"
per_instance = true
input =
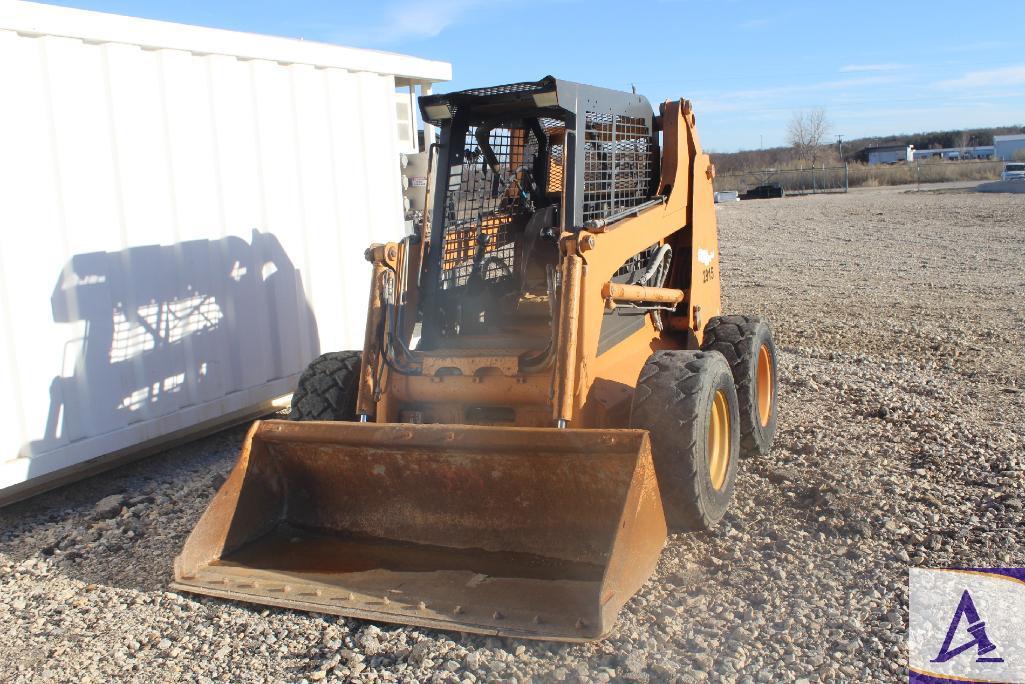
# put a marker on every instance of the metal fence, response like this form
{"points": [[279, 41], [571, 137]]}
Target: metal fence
{"points": [[800, 181], [803, 181], [926, 171]]}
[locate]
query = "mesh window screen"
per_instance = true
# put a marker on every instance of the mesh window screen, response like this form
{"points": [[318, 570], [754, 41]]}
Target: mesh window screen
{"points": [[483, 207], [618, 163], [556, 160]]}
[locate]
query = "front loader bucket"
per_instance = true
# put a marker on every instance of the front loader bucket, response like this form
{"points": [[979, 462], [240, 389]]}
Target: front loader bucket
{"points": [[527, 532]]}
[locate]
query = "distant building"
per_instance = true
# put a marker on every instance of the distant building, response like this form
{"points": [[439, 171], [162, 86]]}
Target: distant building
{"points": [[953, 153], [1005, 146], [889, 154]]}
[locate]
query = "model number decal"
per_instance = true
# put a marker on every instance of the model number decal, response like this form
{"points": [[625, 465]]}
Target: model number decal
{"points": [[705, 257]]}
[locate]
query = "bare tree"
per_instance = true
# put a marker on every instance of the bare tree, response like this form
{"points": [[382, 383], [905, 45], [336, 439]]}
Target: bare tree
{"points": [[964, 141], [806, 133]]}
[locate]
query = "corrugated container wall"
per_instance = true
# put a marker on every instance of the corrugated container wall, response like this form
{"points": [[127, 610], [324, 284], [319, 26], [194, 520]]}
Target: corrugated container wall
{"points": [[181, 231]]}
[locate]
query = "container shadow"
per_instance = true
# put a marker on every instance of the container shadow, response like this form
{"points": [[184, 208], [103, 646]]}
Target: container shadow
{"points": [[158, 329]]}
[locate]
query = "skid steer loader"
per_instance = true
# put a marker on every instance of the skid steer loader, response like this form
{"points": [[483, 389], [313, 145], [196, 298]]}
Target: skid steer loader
{"points": [[546, 385]]}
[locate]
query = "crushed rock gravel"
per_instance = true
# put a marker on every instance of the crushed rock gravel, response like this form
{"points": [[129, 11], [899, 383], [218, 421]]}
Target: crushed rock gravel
{"points": [[899, 318]]}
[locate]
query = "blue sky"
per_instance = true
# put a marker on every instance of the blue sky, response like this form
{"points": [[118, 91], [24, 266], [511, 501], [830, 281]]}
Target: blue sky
{"points": [[876, 68]]}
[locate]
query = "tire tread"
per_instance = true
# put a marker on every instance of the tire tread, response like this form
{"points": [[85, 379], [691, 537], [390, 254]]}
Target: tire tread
{"points": [[666, 398], [732, 337], [327, 388]]}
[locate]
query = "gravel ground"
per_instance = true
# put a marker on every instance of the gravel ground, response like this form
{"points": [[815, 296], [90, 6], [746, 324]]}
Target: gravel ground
{"points": [[899, 319]]}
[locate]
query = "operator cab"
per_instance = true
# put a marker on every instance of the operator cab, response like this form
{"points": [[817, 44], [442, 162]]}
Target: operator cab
{"points": [[507, 184], [500, 225]]}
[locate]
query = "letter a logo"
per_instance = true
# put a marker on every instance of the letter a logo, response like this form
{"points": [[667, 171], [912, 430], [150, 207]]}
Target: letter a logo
{"points": [[976, 627]]}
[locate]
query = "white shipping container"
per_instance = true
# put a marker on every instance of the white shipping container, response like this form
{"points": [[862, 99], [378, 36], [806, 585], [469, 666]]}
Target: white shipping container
{"points": [[1008, 147], [183, 215]]}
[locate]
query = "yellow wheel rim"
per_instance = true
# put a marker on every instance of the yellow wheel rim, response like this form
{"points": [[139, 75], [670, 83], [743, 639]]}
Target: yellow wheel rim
{"points": [[719, 440], [763, 381]]}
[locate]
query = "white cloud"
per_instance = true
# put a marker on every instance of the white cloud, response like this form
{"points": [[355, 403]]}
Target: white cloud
{"points": [[1006, 76], [761, 98], [411, 20], [872, 67]]}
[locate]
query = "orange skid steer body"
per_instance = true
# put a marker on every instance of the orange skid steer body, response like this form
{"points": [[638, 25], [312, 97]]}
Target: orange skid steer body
{"points": [[496, 458]]}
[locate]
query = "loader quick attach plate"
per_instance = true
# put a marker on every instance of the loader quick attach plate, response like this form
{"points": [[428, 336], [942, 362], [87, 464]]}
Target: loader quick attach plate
{"points": [[528, 532]]}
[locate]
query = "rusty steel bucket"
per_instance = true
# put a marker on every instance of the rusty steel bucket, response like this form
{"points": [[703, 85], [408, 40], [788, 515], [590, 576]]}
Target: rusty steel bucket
{"points": [[527, 532]]}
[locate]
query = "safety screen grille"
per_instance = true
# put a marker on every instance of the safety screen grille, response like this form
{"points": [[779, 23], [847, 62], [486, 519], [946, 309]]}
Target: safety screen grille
{"points": [[523, 87], [483, 208], [618, 163], [556, 158]]}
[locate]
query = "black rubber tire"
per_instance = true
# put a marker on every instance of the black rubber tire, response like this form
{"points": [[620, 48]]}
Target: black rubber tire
{"points": [[739, 339], [328, 387], [673, 402]]}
